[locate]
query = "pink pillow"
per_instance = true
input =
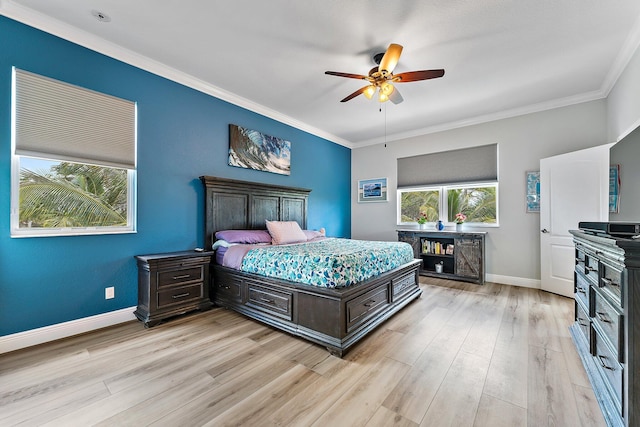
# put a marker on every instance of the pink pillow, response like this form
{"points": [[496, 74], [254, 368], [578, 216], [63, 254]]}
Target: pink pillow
{"points": [[285, 232]]}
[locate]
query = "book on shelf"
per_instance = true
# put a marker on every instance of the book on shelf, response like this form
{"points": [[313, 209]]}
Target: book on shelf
{"points": [[436, 247]]}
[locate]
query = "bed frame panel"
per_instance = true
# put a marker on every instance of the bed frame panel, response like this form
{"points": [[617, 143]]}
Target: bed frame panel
{"points": [[334, 318]]}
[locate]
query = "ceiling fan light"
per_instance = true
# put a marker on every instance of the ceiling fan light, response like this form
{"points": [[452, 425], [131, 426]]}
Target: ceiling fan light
{"points": [[383, 97], [369, 91], [386, 88]]}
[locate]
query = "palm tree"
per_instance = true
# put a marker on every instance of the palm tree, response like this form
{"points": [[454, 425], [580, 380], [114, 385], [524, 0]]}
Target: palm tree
{"points": [[478, 204], [73, 195]]}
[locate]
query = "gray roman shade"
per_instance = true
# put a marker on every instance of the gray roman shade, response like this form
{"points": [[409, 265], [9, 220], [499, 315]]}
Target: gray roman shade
{"points": [[476, 164], [60, 121]]}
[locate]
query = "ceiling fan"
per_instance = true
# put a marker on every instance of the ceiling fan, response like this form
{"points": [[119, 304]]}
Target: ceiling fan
{"points": [[381, 77]]}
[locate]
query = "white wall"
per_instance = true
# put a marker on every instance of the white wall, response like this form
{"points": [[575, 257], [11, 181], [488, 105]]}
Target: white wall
{"points": [[623, 102], [513, 248]]}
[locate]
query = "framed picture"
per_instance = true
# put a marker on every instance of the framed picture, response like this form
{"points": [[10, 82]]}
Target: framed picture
{"points": [[533, 191], [372, 190], [614, 188], [251, 149]]}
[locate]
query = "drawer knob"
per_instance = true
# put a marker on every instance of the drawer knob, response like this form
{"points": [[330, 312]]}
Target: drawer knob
{"points": [[180, 295], [369, 303], [225, 286], [183, 276]]}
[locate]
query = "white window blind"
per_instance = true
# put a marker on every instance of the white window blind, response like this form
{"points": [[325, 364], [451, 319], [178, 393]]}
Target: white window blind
{"points": [[467, 165], [57, 120]]}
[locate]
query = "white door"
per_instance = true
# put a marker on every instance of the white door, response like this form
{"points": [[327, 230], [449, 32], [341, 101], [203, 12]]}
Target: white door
{"points": [[573, 187]]}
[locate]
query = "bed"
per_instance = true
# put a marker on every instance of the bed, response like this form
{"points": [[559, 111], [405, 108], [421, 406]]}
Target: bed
{"points": [[334, 317]]}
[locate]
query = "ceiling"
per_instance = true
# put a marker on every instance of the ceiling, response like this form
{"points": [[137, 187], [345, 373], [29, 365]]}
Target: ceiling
{"points": [[502, 58]]}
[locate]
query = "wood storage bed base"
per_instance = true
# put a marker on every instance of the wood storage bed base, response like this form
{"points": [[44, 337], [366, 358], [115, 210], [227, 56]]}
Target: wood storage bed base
{"points": [[334, 318]]}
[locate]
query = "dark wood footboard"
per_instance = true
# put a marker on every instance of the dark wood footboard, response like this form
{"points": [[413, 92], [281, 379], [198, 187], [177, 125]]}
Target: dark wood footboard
{"points": [[334, 318]]}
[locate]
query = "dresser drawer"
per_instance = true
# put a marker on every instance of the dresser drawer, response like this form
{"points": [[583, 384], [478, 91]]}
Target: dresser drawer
{"points": [[272, 301], [610, 369], [180, 275], [229, 289], [582, 319], [610, 281], [366, 305], [180, 295], [582, 289], [609, 320]]}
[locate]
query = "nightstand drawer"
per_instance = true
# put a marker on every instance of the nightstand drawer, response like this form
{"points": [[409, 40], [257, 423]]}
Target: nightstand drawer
{"points": [[402, 285], [180, 295], [609, 320], [180, 275]]}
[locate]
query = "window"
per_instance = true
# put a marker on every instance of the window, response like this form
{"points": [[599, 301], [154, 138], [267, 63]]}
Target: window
{"points": [[439, 185], [478, 201], [73, 160]]}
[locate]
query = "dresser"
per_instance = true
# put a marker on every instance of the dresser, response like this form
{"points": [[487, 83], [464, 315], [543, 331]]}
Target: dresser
{"points": [[172, 283], [455, 255], [606, 330]]}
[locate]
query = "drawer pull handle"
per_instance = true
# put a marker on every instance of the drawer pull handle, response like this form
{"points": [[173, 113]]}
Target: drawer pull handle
{"points": [[184, 276], [603, 317], [369, 303], [582, 291], [267, 300], [588, 269], [608, 282], [225, 286], [603, 363], [583, 322], [180, 295]]}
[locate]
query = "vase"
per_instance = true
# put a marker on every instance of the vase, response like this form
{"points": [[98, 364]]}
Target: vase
{"points": [[459, 227], [422, 226], [439, 225]]}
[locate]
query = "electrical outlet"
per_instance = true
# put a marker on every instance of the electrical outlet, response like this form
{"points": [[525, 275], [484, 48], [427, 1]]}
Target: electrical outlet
{"points": [[109, 292]]}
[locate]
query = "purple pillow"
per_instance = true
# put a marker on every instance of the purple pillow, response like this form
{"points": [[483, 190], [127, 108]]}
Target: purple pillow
{"points": [[244, 236]]}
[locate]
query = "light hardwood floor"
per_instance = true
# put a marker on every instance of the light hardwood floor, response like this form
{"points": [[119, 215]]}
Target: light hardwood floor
{"points": [[461, 355]]}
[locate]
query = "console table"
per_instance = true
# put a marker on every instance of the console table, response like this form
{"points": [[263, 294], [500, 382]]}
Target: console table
{"points": [[455, 255]]}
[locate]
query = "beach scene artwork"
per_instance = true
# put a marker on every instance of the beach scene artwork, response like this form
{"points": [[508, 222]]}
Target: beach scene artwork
{"points": [[252, 149]]}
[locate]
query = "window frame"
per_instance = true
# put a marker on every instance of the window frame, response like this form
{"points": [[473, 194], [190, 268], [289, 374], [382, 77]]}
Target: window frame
{"points": [[18, 232], [444, 204]]}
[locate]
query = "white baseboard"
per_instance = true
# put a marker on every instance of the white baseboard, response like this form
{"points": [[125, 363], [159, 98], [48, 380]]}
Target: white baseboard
{"points": [[62, 330], [514, 281]]}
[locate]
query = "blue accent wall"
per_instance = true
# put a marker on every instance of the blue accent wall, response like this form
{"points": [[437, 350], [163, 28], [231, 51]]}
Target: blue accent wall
{"points": [[182, 134]]}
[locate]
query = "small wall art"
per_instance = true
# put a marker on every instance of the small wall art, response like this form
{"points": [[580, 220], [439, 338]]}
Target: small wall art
{"points": [[372, 190], [533, 191], [252, 149], [614, 188]]}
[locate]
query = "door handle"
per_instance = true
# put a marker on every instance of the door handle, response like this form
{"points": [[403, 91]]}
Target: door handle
{"points": [[544, 230]]}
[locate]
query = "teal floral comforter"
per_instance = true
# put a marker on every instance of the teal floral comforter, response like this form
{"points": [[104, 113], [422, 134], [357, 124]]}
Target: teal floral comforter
{"points": [[328, 263]]}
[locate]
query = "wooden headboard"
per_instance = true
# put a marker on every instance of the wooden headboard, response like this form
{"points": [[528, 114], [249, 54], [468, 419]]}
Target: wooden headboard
{"points": [[241, 205]]}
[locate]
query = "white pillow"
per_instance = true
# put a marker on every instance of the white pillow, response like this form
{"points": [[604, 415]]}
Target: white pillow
{"points": [[285, 232]]}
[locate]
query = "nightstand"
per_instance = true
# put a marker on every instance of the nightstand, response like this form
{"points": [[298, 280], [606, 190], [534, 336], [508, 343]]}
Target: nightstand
{"points": [[172, 283]]}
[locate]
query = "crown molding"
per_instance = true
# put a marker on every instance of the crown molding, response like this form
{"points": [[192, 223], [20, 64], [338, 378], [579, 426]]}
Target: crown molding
{"points": [[627, 51], [90, 41]]}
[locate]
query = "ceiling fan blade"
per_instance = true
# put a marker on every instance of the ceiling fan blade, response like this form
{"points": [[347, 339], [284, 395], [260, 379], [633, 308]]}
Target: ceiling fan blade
{"points": [[395, 96], [414, 76], [354, 94], [349, 75], [390, 58]]}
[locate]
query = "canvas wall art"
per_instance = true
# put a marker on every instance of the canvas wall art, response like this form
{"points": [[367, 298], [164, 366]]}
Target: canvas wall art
{"points": [[252, 149]]}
